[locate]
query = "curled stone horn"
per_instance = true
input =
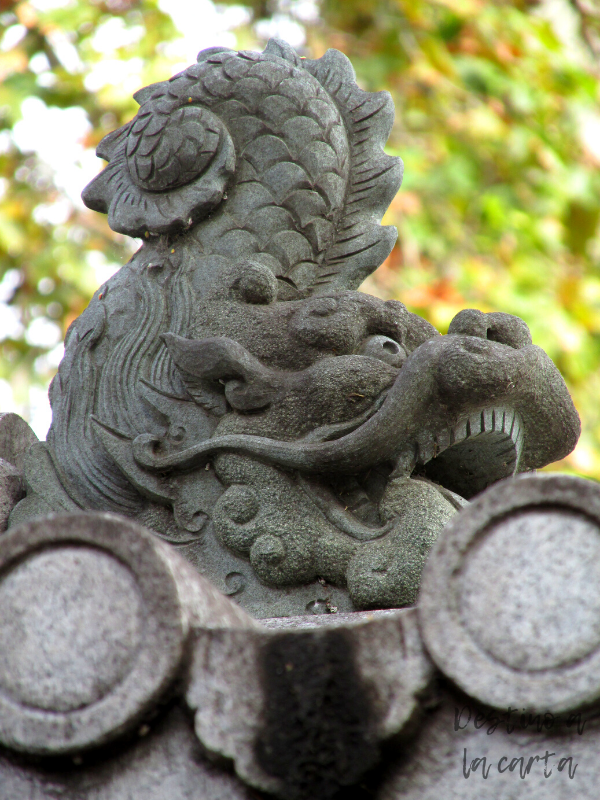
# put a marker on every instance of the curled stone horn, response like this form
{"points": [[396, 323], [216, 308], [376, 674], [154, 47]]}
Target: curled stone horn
{"points": [[166, 170]]}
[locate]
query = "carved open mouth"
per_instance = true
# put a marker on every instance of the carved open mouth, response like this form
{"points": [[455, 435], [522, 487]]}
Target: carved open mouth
{"points": [[479, 450], [466, 458]]}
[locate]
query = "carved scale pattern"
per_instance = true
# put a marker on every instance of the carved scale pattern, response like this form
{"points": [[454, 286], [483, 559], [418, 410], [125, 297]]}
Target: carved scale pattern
{"points": [[306, 200]]}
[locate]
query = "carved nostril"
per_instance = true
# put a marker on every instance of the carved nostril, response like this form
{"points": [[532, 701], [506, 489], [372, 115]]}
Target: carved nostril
{"points": [[383, 348], [507, 329], [495, 327]]}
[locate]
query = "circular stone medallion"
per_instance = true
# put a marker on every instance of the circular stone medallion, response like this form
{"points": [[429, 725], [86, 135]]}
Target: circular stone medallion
{"points": [[510, 596], [91, 631], [70, 626]]}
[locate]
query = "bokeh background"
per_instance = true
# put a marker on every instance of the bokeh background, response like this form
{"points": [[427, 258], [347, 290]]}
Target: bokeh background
{"points": [[497, 120]]}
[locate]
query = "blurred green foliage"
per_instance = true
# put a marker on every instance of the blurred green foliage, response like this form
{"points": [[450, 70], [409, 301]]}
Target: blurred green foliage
{"points": [[499, 207], [496, 120], [48, 245]]}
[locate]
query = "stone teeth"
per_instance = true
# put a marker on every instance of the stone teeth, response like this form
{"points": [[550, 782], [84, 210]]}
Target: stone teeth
{"points": [[428, 448], [443, 441], [459, 432], [481, 448], [487, 421]]}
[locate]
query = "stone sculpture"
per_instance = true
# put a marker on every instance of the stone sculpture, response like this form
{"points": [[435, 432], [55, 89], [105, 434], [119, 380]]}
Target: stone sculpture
{"points": [[124, 673], [302, 444]]}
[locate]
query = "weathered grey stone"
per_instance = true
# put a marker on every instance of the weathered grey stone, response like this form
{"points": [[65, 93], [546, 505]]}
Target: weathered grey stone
{"points": [[302, 711], [302, 443], [304, 707], [463, 750], [510, 599], [328, 620], [95, 615], [12, 489], [387, 572], [162, 761], [495, 326], [45, 490], [16, 437], [96, 618]]}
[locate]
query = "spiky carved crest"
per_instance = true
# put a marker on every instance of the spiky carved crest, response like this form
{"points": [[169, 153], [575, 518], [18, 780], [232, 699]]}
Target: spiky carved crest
{"points": [[259, 159], [295, 143]]}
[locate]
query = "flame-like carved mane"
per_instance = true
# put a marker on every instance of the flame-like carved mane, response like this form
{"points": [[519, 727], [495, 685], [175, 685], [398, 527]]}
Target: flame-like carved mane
{"points": [[263, 158]]}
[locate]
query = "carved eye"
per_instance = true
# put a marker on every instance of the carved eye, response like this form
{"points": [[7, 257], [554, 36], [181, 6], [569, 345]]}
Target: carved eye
{"points": [[383, 348]]}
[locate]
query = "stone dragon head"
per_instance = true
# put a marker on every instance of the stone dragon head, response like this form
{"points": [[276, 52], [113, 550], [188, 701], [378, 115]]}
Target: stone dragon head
{"points": [[300, 442]]}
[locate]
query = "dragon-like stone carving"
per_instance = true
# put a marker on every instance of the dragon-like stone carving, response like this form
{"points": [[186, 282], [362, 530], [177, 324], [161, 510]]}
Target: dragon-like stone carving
{"points": [[300, 442]]}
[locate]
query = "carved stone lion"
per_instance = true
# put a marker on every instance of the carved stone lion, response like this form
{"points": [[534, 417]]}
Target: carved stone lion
{"points": [[300, 442]]}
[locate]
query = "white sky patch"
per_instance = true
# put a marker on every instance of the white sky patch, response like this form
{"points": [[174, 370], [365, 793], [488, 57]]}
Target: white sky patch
{"points": [[48, 362], [56, 136], [89, 166], [46, 80], [38, 413], [12, 36], [55, 356], [281, 26], [582, 458], [46, 285], [42, 332], [565, 24], [39, 63], [5, 142], [590, 131], [51, 5], [65, 51], [112, 71], [11, 280], [56, 213], [103, 268], [571, 339], [113, 34], [35, 410], [7, 398], [202, 25], [11, 326], [303, 10]]}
